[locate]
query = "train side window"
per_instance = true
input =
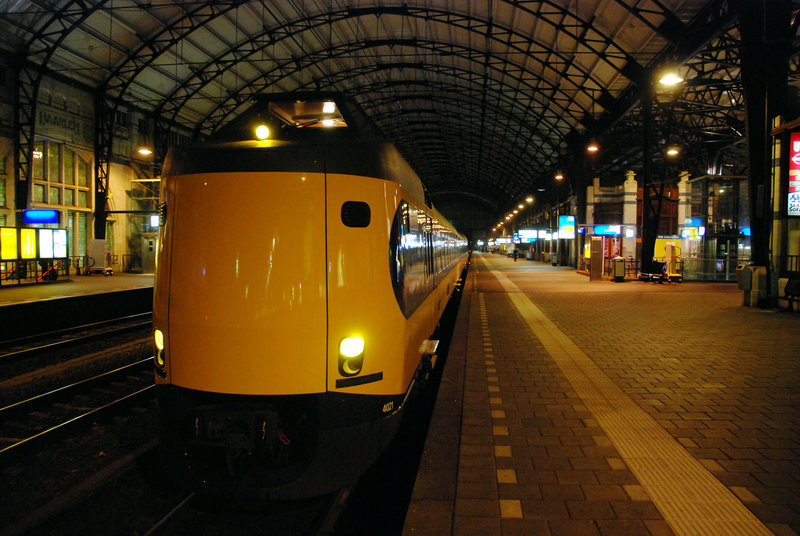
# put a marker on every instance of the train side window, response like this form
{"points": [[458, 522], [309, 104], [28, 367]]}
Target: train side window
{"points": [[400, 226]]}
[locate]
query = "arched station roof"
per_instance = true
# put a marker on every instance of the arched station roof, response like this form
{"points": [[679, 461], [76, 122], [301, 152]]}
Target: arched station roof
{"points": [[486, 99]]}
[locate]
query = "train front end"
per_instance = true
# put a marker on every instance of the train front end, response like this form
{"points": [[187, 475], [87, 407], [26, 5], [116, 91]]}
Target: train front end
{"points": [[281, 353]]}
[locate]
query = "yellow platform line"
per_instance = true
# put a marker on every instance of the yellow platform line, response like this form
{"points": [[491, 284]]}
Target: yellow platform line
{"points": [[689, 497]]}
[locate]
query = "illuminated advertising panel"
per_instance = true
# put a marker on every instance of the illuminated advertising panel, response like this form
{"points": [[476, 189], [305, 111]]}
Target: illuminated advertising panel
{"points": [[566, 227], [793, 208], [8, 243], [45, 243], [528, 235], [59, 243], [27, 243], [33, 216], [607, 229]]}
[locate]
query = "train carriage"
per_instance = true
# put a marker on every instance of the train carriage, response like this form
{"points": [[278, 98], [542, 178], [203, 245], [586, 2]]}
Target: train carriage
{"points": [[300, 274]]}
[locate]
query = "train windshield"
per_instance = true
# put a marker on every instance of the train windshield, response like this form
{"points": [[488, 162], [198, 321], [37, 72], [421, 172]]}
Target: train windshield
{"points": [[309, 113], [292, 115]]}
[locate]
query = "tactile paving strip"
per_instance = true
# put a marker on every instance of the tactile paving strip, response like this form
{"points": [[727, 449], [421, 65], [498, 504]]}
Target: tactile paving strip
{"points": [[689, 497]]}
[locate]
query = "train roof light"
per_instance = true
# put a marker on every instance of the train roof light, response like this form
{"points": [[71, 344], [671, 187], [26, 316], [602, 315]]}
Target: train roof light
{"points": [[262, 132]]}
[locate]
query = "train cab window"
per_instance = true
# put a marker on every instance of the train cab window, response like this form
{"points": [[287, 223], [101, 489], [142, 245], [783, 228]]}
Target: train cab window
{"points": [[356, 214]]}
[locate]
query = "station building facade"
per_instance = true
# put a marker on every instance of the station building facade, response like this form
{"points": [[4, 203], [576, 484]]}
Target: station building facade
{"points": [[63, 176]]}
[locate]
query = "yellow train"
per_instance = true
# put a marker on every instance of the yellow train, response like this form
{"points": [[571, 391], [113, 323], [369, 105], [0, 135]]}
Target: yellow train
{"points": [[300, 274]]}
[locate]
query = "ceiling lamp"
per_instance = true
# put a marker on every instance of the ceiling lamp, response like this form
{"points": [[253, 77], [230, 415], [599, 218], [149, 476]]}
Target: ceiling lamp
{"points": [[593, 146], [529, 199], [670, 78], [560, 176], [673, 150]]}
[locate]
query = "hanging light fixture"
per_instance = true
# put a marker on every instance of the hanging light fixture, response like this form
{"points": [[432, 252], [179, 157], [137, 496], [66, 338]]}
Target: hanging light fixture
{"points": [[593, 146], [670, 77]]}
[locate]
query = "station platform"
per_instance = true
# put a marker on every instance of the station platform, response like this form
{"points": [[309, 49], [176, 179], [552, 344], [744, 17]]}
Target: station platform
{"points": [[77, 285], [570, 407]]}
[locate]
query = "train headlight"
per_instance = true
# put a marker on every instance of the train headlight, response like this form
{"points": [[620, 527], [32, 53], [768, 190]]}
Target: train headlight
{"points": [[158, 337], [351, 356]]}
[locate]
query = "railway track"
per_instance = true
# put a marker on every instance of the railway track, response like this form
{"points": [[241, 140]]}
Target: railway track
{"points": [[12, 350], [27, 423]]}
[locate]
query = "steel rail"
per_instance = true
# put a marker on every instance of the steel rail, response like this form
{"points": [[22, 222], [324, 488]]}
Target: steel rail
{"points": [[29, 440], [335, 508], [160, 523], [67, 331], [28, 352], [81, 383]]}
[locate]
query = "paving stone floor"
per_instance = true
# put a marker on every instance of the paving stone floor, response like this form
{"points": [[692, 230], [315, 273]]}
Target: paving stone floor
{"points": [[535, 455]]}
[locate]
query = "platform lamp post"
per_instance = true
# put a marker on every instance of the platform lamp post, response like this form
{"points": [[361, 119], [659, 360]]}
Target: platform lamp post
{"points": [[651, 197], [559, 178]]}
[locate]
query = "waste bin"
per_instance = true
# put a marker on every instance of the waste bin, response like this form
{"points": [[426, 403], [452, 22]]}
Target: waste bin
{"points": [[740, 276], [619, 269], [554, 258], [744, 278]]}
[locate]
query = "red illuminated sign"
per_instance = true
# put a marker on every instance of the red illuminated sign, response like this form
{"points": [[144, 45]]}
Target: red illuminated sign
{"points": [[794, 175]]}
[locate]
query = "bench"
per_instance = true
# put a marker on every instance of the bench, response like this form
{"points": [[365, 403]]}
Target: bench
{"points": [[791, 292]]}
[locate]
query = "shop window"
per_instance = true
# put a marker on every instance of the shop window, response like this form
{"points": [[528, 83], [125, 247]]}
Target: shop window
{"points": [[38, 193], [69, 196], [55, 195], [83, 198], [69, 167]]}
